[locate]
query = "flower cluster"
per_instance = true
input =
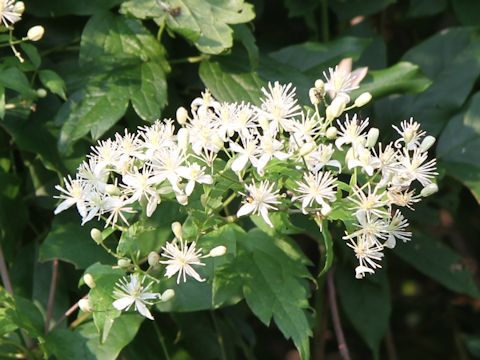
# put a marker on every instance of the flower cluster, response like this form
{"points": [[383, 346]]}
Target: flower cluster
{"points": [[318, 147]]}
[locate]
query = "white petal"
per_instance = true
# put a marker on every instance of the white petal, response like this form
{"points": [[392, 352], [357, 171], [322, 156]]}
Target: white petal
{"points": [[142, 309], [123, 303], [239, 163], [360, 271], [264, 213], [246, 209]]}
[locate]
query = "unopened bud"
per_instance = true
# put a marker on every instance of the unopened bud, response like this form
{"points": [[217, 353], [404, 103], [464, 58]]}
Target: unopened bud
{"points": [[182, 138], [336, 108], [177, 230], [35, 33], [19, 7], [218, 251], [124, 263], [182, 115], [428, 190], [372, 137], [41, 93], [112, 190], [315, 96], [307, 149], [84, 305], [319, 85], [331, 133], [96, 235], [168, 295], [153, 258], [182, 199], [88, 280], [363, 99], [427, 143]]}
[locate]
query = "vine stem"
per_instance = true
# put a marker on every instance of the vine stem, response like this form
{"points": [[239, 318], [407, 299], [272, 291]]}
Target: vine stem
{"points": [[162, 341], [51, 294], [4, 273], [337, 325], [67, 313]]}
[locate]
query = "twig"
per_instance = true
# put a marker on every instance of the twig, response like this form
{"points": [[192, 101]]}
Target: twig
{"points": [[67, 313], [162, 340], [51, 294], [337, 325], [4, 273], [390, 345]]}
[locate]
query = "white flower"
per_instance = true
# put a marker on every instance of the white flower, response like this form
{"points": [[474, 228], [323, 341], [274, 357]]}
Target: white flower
{"points": [[93, 174], [260, 200], [373, 230], [117, 207], [402, 198], [73, 194], [410, 133], [204, 102], [247, 152], [318, 188], [132, 292], [387, 162], [342, 80], [181, 259], [396, 230], [166, 165], [361, 157], [280, 105], [368, 256], [8, 13], [107, 154], [371, 202], [351, 132], [268, 149], [157, 137], [415, 167], [194, 173]]}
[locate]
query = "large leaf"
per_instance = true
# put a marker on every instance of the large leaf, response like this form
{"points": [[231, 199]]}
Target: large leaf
{"points": [[204, 22], [457, 68], [274, 286], [366, 303], [459, 146], [71, 242], [439, 262], [124, 62]]}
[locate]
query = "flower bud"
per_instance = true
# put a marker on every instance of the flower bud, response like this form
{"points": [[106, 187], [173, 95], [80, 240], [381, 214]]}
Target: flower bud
{"points": [[88, 280], [168, 295], [319, 85], [177, 230], [331, 133], [153, 258], [336, 108], [315, 96], [372, 137], [182, 138], [363, 99], [428, 190], [96, 235], [182, 199], [84, 305], [124, 263], [307, 149], [112, 190], [35, 33], [427, 143], [182, 115], [218, 251], [19, 7], [41, 93]]}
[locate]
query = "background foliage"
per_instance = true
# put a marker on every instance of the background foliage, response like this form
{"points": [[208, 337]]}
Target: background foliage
{"points": [[113, 64]]}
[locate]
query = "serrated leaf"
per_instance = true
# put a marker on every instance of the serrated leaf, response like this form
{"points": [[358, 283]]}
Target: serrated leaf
{"points": [[126, 63], [459, 146], [204, 22], [53, 82], [438, 261], [71, 242], [275, 287], [367, 304]]}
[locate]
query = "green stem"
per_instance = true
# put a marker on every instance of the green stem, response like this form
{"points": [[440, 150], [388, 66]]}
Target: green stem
{"points": [[162, 341]]}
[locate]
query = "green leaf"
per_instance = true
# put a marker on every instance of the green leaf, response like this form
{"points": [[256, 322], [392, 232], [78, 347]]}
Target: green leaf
{"points": [[467, 11], [346, 10], [438, 261], [203, 22], [312, 58], [53, 82], [419, 8], [71, 242], [126, 63], [122, 333], [400, 78], [66, 344], [13, 78], [459, 146], [274, 286], [366, 303], [32, 53], [328, 248], [457, 68], [53, 8]]}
